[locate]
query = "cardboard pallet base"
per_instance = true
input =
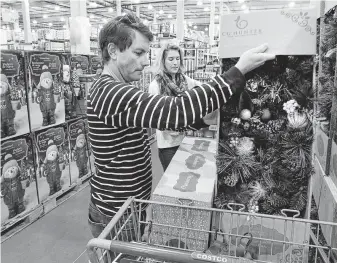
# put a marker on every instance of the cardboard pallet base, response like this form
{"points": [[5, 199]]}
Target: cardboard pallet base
{"points": [[22, 220]]}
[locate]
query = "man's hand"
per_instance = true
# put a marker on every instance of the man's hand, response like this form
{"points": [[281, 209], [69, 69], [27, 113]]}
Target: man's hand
{"points": [[253, 58]]}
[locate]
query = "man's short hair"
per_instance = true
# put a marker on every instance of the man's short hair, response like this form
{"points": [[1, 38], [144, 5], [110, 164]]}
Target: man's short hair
{"points": [[121, 32]]}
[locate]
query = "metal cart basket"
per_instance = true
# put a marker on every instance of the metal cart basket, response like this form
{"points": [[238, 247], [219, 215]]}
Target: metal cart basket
{"points": [[128, 237]]}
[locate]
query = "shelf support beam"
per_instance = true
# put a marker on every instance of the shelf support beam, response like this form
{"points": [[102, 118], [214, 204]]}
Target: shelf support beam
{"points": [[180, 19]]}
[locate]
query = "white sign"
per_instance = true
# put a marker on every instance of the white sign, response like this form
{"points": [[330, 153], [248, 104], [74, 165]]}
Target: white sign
{"points": [[9, 15], [287, 32]]}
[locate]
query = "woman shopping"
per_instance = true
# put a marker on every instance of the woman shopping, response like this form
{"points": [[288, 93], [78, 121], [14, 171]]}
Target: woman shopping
{"points": [[170, 80]]}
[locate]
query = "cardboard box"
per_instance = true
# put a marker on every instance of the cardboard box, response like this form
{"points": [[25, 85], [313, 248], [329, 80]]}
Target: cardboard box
{"points": [[18, 186], [52, 160], [95, 65], [333, 162], [91, 155], [14, 112], [320, 147], [296, 36], [189, 180], [45, 98], [327, 210], [79, 157]]}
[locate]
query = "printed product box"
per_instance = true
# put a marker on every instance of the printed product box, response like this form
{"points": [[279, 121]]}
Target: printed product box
{"points": [[45, 98], [189, 180], [333, 162], [320, 147], [91, 155], [18, 178], [81, 81], [52, 158], [14, 112], [79, 162], [95, 65]]}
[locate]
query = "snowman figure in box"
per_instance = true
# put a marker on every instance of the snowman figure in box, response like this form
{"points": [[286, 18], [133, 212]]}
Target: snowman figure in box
{"points": [[69, 94], [52, 168], [81, 155], [11, 187], [45, 97], [9, 104]]}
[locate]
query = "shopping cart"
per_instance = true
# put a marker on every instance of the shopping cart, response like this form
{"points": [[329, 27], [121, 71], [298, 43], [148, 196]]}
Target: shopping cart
{"points": [[236, 236]]}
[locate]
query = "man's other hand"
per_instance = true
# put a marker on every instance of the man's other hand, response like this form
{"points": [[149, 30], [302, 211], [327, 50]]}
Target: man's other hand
{"points": [[253, 58]]}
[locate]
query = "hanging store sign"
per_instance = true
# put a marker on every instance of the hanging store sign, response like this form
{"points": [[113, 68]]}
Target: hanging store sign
{"points": [[287, 32], [9, 15]]}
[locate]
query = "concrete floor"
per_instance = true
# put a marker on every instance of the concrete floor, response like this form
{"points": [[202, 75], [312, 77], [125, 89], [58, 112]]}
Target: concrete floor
{"points": [[61, 235]]}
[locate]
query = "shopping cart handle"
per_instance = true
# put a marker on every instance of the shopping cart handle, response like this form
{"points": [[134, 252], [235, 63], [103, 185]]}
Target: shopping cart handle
{"points": [[142, 250]]}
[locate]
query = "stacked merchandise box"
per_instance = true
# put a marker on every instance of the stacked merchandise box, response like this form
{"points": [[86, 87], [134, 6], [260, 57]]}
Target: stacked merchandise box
{"points": [[45, 98], [79, 155], [14, 112], [190, 179], [91, 155], [52, 160], [18, 178], [95, 65], [68, 88]]}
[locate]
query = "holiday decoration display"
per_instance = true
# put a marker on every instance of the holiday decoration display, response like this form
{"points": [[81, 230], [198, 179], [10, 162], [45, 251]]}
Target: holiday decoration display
{"points": [[189, 180], [18, 180], [264, 158], [46, 105], [14, 112], [79, 158], [52, 158]]}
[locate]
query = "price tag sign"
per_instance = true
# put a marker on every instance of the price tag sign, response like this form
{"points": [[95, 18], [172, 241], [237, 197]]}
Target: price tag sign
{"points": [[213, 127]]}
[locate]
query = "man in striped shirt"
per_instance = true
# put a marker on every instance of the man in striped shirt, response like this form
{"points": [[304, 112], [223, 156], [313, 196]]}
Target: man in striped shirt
{"points": [[118, 114]]}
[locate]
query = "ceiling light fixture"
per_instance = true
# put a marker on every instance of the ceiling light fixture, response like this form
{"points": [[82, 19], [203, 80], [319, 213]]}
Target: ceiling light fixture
{"points": [[243, 6], [123, 14], [216, 17], [137, 1], [50, 24], [110, 10], [57, 8], [241, 1], [145, 21], [34, 22], [4, 27], [161, 11], [64, 26], [92, 16], [195, 27], [62, 18], [93, 4], [169, 16], [291, 4], [104, 20], [44, 16], [206, 9], [150, 7], [199, 3], [190, 23], [206, 29]]}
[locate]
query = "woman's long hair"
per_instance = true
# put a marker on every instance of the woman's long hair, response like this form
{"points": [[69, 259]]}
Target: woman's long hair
{"points": [[160, 62]]}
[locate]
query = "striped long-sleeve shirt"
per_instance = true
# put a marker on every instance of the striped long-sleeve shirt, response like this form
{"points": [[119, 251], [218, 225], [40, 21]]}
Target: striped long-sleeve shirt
{"points": [[117, 115]]}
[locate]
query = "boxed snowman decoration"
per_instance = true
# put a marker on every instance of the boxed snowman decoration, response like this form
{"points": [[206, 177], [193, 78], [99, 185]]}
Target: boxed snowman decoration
{"points": [[52, 158], [46, 103], [18, 180], [14, 112], [79, 162], [80, 81]]}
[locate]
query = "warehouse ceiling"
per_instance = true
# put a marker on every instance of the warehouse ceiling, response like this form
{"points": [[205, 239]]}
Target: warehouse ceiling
{"points": [[55, 13]]}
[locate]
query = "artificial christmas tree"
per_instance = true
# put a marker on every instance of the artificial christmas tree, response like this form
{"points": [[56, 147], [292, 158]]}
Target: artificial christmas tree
{"points": [[264, 159]]}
